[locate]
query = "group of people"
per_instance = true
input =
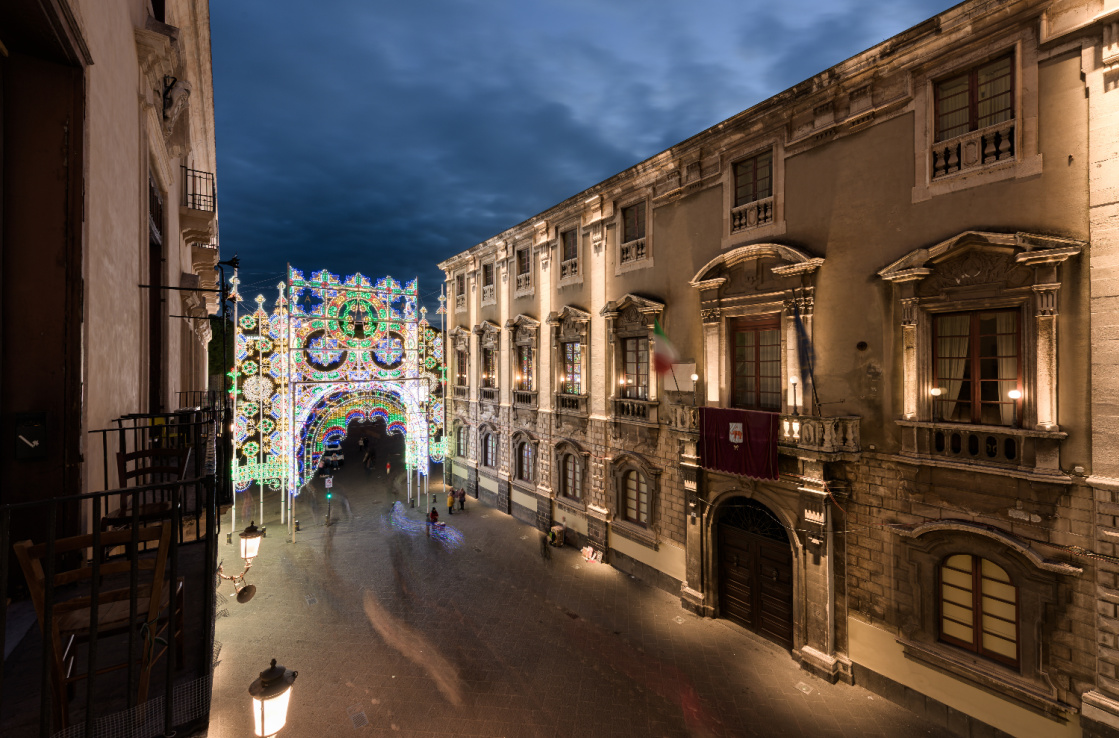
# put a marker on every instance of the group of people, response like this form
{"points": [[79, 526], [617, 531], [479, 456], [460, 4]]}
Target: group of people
{"points": [[452, 495]]}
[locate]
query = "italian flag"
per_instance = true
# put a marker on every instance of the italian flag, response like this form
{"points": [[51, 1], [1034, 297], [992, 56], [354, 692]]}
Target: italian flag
{"points": [[664, 353]]}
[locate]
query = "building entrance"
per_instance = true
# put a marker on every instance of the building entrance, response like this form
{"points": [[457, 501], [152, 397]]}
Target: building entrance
{"points": [[755, 571]]}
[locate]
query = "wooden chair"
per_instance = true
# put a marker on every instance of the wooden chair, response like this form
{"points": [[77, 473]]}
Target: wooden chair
{"points": [[70, 621], [139, 468]]}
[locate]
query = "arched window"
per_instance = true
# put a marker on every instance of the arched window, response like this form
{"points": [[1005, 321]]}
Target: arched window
{"points": [[489, 450], [526, 462], [637, 498], [463, 441], [979, 608], [572, 486]]}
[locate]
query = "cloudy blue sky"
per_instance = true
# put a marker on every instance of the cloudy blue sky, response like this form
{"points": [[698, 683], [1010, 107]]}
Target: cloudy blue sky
{"points": [[383, 136]]}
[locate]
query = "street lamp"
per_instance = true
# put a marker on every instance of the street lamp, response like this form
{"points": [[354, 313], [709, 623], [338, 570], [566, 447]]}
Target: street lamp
{"points": [[271, 694], [250, 547], [695, 378]]}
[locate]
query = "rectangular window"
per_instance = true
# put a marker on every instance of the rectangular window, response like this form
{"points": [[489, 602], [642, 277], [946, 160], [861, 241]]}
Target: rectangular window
{"points": [[460, 284], [753, 179], [570, 245], [487, 275], [757, 363], [633, 222], [461, 363], [572, 383], [489, 367], [522, 262], [976, 368], [635, 369], [572, 479], [524, 368], [525, 470], [980, 97]]}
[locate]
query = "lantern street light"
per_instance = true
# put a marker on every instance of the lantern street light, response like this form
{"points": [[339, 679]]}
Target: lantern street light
{"points": [[271, 694], [250, 547]]}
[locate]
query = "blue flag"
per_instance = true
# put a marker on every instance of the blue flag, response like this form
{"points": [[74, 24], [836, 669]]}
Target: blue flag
{"points": [[806, 355]]}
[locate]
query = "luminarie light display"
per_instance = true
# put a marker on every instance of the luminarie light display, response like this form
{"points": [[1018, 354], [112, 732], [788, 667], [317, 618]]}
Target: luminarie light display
{"points": [[332, 352]]}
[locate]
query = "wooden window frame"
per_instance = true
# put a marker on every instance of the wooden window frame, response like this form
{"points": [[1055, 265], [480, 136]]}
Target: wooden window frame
{"points": [[635, 373], [572, 482], [972, 75], [489, 450], [460, 284], [489, 368], [740, 170], [569, 239], [525, 369], [570, 364], [524, 264], [754, 325], [487, 274], [462, 369], [634, 228], [642, 504], [463, 442], [974, 368], [526, 462], [976, 645]]}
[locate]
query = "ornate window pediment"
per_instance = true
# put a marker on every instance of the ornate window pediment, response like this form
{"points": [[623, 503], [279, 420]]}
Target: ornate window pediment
{"points": [[632, 497], [757, 269], [488, 333], [573, 324], [1006, 280], [459, 339], [632, 314], [525, 330]]}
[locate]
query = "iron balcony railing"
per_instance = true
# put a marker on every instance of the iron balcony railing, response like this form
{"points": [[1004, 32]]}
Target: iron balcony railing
{"points": [[199, 190], [33, 699]]}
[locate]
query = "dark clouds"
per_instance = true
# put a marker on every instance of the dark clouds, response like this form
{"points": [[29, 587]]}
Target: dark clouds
{"points": [[383, 137]]}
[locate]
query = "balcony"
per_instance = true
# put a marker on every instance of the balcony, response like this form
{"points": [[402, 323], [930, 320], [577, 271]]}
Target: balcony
{"points": [[636, 411], [524, 399], [569, 269], [524, 282], [751, 215], [833, 437], [973, 149], [460, 303], [489, 394], [462, 392], [489, 293], [571, 404], [632, 251], [197, 211], [1033, 454]]}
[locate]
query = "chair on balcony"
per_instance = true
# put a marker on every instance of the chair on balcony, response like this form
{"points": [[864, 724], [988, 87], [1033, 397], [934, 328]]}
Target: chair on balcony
{"points": [[141, 468], [70, 623]]}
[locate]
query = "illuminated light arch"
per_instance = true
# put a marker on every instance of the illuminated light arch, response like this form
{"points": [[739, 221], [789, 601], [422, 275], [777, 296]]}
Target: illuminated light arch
{"points": [[333, 351]]}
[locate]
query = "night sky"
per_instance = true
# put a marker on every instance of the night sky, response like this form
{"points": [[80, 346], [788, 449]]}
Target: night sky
{"points": [[383, 136]]}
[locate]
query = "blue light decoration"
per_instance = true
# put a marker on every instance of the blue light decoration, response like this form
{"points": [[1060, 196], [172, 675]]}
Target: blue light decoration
{"points": [[333, 352]]}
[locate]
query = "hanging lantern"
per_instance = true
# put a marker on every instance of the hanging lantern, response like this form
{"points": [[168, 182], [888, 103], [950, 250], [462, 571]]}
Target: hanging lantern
{"points": [[271, 694]]}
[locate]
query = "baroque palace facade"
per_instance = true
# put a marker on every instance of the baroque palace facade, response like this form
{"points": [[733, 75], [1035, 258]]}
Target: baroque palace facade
{"points": [[933, 225]]}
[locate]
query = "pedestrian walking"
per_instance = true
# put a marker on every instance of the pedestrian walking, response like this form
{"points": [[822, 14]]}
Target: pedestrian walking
{"points": [[432, 519], [450, 502], [461, 495]]}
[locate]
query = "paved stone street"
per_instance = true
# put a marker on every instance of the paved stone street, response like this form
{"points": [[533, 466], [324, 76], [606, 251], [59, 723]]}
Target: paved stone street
{"points": [[475, 633]]}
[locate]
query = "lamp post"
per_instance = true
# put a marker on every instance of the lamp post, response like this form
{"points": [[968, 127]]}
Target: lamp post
{"points": [[695, 378], [250, 547], [796, 402], [936, 392], [271, 693]]}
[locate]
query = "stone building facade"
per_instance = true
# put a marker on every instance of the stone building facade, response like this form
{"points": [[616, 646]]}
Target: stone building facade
{"points": [[109, 227], [910, 261]]}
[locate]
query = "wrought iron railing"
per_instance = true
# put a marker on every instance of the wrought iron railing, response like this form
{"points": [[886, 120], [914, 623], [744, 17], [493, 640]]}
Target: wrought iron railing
{"points": [[199, 190], [32, 701]]}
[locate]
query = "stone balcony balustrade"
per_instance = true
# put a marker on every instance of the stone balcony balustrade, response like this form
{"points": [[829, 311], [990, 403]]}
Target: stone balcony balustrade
{"points": [[973, 149], [830, 436], [751, 215]]}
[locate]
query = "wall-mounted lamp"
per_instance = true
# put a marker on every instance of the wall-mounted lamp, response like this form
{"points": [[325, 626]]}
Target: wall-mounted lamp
{"points": [[796, 402], [250, 547]]}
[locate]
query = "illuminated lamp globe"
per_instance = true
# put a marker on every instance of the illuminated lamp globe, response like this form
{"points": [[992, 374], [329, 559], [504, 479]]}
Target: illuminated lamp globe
{"points": [[695, 377], [1014, 394], [935, 391], [250, 542], [793, 380], [271, 694]]}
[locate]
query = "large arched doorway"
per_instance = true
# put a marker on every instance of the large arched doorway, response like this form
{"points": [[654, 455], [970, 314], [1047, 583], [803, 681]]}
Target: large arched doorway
{"points": [[755, 570]]}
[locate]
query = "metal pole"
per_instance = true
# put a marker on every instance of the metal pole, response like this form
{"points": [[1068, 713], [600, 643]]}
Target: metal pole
{"points": [[233, 462]]}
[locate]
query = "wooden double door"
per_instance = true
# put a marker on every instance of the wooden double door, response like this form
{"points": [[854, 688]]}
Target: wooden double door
{"points": [[756, 575]]}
